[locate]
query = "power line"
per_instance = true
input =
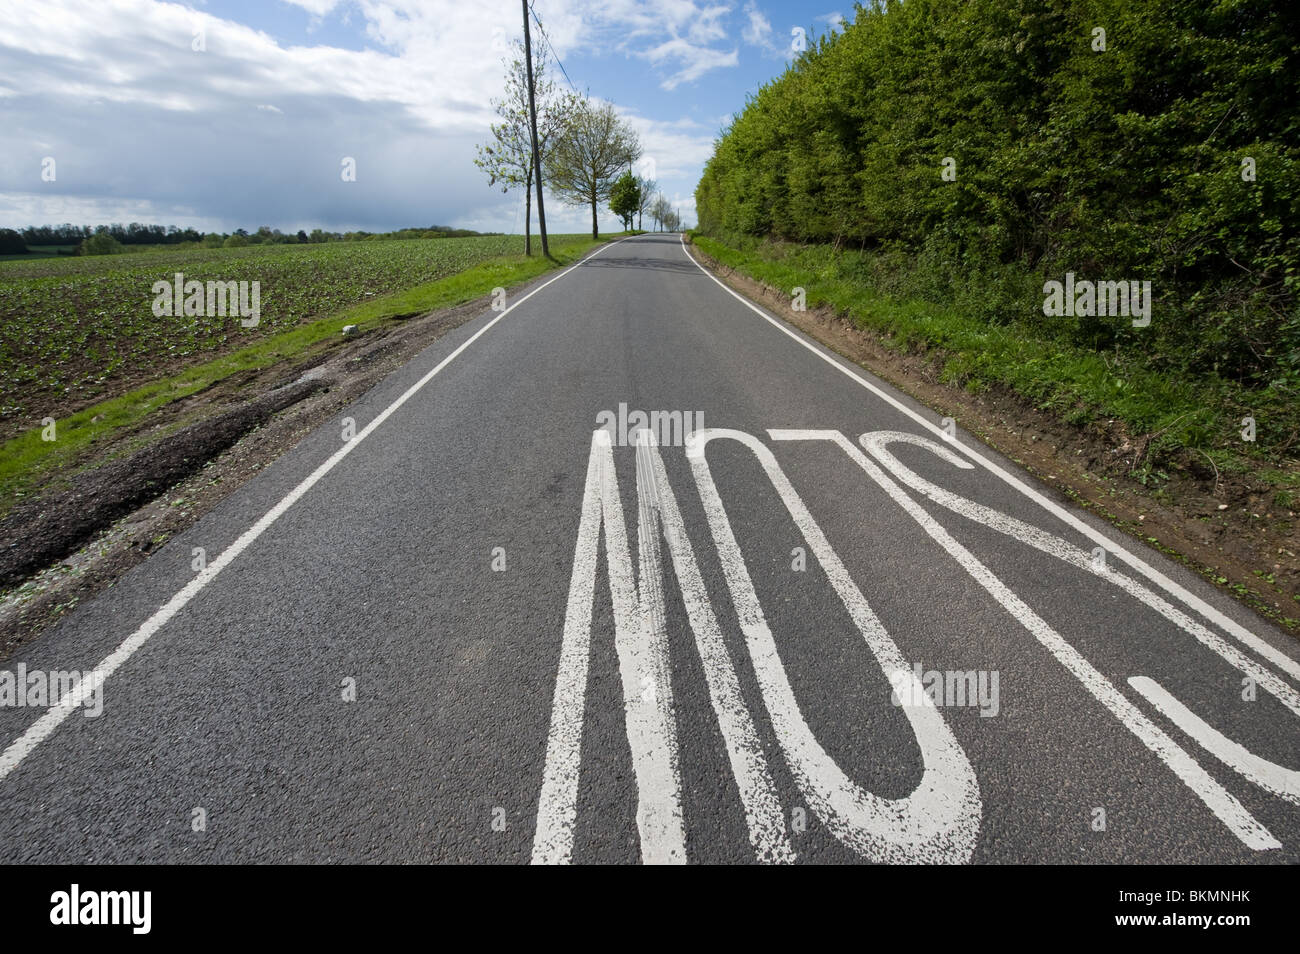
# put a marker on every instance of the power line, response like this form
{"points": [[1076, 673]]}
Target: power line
{"points": [[551, 47]]}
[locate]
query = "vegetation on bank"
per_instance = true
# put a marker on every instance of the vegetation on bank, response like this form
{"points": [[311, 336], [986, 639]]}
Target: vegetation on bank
{"points": [[1181, 422], [942, 161]]}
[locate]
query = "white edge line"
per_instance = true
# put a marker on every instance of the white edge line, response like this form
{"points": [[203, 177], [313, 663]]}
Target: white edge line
{"points": [[41, 729], [1256, 643]]}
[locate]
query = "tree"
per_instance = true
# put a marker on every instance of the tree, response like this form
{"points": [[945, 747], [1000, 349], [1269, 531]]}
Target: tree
{"points": [[659, 209], [625, 198], [647, 187], [593, 146], [508, 157], [11, 243], [102, 243]]}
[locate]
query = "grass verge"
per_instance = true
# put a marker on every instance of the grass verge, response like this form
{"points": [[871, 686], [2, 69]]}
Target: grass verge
{"points": [[1112, 434], [1178, 421]]}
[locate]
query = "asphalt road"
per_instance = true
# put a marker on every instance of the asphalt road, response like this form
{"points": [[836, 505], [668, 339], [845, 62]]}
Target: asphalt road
{"points": [[487, 628]]}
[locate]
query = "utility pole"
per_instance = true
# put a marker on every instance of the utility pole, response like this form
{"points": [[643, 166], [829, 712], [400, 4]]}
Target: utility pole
{"points": [[532, 119]]}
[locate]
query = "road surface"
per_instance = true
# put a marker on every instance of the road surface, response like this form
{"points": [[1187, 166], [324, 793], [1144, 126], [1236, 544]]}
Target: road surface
{"points": [[491, 614]]}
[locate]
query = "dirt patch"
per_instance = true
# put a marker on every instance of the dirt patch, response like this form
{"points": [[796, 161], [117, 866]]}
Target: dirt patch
{"points": [[1226, 527], [128, 497], [49, 528]]}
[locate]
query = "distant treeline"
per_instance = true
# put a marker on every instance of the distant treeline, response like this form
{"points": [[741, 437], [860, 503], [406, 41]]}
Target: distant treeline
{"points": [[107, 237], [1157, 140]]}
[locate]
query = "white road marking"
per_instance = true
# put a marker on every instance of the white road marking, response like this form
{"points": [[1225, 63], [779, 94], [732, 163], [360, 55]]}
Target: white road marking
{"points": [[639, 635], [1269, 776], [877, 443], [50, 720], [939, 820], [763, 813], [1221, 802], [647, 697], [642, 644], [557, 808], [1274, 778], [1236, 630]]}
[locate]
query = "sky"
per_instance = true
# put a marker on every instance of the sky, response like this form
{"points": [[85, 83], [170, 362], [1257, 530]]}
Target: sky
{"points": [[240, 113]]}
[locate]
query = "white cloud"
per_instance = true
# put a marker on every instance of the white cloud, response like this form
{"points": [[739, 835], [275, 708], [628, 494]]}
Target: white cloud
{"points": [[758, 29], [316, 8], [27, 208], [759, 33], [677, 148], [676, 37], [145, 127], [690, 61]]}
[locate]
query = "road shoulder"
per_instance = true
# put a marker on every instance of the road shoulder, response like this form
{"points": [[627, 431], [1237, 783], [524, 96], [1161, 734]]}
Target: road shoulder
{"points": [[1219, 545]]}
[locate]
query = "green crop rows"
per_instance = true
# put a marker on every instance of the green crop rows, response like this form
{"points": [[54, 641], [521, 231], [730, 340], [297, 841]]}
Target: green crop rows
{"points": [[74, 330]]}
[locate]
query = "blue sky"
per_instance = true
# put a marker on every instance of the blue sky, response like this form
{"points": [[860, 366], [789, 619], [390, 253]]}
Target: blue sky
{"points": [[234, 113]]}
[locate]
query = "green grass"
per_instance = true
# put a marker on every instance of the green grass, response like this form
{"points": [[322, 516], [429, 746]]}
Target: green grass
{"points": [[27, 462], [74, 330], [1199, 414]]}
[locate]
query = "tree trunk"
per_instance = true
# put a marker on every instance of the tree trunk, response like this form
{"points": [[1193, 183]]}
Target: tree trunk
{"points": [[595, 234], [532, 127], [528, 214]]}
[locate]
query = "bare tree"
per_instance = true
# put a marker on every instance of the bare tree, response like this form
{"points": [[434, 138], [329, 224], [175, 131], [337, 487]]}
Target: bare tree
{"points": [[648, 187], [508, 157], [659, 209], [593, 148]]}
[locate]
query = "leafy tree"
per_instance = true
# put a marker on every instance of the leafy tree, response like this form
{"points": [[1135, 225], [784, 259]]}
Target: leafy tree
{"points": [[593, 146], [102, 243], [11, 243], [625, 198], [508, 157]]}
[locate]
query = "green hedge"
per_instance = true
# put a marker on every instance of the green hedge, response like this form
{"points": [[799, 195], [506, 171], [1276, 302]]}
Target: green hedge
{"points": [[1117, 164]]}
